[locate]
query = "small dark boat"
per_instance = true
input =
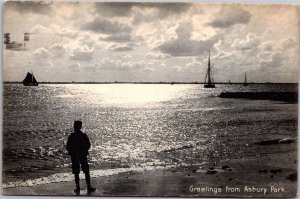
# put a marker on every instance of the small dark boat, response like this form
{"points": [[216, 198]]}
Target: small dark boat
{"points": [[209, 83], [30, 80]]}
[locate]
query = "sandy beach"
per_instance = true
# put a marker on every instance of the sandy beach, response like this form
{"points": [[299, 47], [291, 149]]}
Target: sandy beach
{"points": [[241, 178]]}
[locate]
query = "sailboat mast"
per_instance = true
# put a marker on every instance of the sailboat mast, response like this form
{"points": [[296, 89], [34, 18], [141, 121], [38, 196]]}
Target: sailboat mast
{"points": [[245, 78], [208, 69], [209, 83]]}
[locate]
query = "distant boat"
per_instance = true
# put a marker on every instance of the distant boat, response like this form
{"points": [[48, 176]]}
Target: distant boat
{"points": [[209, 83], [30, 80], [245, 82]]}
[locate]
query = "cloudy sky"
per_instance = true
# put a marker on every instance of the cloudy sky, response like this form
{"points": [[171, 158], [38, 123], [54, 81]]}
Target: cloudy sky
{"points": [[152, 41]]}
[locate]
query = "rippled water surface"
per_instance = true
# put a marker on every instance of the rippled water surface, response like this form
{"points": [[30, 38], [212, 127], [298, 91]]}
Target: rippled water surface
{"points": [[138, 125]]}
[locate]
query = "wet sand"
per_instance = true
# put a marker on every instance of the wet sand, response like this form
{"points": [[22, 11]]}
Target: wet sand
{"points": [[257, 177]]}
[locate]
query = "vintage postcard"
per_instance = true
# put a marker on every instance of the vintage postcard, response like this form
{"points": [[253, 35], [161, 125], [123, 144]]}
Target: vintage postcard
{"points": [[150, 99]]}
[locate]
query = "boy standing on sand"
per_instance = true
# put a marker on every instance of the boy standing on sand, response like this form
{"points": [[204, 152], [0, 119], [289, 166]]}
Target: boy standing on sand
{"points": [[78, 145]]}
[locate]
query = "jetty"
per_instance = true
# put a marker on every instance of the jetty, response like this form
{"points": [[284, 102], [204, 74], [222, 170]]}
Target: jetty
{"points": [[277, 96]]}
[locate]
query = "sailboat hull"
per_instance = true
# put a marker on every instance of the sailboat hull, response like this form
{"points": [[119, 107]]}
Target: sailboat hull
{"points": [[209, 86], [30, 84]]}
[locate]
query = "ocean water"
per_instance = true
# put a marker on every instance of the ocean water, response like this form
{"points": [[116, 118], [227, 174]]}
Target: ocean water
{"points": [[136, 127]]}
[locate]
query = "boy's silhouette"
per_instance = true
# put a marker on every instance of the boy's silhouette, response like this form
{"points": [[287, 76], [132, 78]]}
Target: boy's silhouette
{"points": [[78, 145]]}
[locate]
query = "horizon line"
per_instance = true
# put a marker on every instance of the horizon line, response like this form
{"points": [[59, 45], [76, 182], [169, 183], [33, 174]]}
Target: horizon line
{"points": [[142, 82]]}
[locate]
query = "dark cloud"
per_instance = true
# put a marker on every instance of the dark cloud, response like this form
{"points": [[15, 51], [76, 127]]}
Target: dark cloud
{"points": [[183, 31], [114, 9], [123, 48], [24, 7], [167, 9], [229, 16], [162, 11], [124, 9], [275, 61], [105, 26], [121, 38], [184, 46]]}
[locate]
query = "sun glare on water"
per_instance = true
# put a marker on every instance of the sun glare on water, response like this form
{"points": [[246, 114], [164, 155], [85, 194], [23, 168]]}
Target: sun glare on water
{"points": [[132, 94]]}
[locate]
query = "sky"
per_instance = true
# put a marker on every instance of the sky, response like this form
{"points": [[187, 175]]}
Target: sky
{"points": [[151, 41]]}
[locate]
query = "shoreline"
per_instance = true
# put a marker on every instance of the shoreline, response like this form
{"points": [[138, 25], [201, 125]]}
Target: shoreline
{"points": [[68, 176], [235, 178]]}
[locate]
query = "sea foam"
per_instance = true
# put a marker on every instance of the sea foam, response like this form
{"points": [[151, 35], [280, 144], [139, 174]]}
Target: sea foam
{"points": [[67, 177]]}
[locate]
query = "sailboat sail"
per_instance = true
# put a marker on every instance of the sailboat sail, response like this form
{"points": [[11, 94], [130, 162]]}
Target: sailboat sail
{"points": [[245, 82], [33, 79]]}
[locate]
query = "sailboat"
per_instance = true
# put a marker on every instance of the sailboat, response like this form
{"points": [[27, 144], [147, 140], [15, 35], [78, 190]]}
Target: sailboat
{"points": [[245, 82], [209, 83], [30, 80]]}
